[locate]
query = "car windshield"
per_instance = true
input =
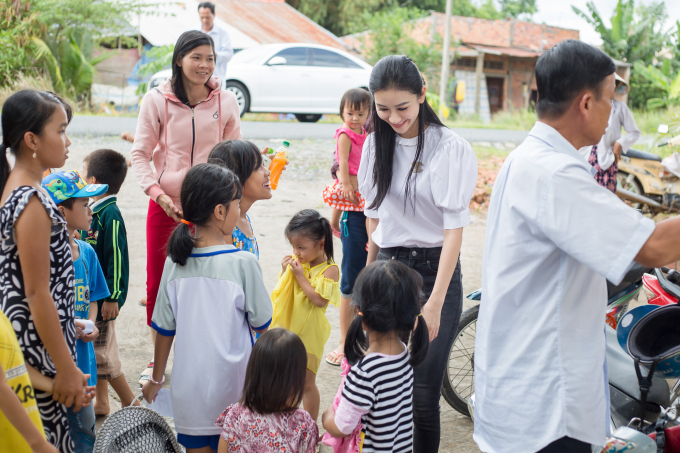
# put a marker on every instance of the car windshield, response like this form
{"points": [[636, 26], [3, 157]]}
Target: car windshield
{"points": [[251, 55]]}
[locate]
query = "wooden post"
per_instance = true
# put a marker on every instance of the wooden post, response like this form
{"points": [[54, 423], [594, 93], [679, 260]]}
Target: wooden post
{"points": [[446, 61], [527, 101], [478, 82]]}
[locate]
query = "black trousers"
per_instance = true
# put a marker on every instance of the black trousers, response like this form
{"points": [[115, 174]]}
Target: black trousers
{"points": [[567, 445], [429, 375]]}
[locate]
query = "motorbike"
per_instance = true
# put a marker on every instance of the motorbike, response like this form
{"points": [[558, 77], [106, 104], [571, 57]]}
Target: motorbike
{"points": [[458, 385]]}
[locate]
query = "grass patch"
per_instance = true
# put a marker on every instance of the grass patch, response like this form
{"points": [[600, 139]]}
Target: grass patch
{"points": [[488, 152]]}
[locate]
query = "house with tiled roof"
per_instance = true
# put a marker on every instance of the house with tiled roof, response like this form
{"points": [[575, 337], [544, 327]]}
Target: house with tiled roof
{"points": [[495, 58]]}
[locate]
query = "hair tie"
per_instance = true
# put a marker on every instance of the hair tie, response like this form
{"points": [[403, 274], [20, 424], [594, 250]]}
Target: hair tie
{"points": [[360, 313], [186, 222], [420, 314]]}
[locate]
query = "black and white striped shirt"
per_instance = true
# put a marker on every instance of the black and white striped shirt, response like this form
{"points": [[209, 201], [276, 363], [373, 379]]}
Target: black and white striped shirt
{"points": [[383, 385]]}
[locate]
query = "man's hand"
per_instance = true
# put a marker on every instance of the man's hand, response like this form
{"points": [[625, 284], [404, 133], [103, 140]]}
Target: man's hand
{"points": [[617, 150], [109, 310]]}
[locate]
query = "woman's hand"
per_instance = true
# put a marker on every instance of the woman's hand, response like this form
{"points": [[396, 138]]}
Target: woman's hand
{"points": [[617, 149], [432, 313], [150, 390], [165, 202], [69, 387]]}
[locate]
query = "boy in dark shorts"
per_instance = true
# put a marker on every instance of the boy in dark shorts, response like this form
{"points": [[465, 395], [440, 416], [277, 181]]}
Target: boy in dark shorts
{"points": [[108, 237]]}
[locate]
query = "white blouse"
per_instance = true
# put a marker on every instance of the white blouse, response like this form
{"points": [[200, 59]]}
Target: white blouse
{"points": [[443, 189], [620, 116]]}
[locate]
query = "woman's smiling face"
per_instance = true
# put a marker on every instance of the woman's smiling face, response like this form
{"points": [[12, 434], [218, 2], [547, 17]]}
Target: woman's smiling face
{"points": [[399, 109]]}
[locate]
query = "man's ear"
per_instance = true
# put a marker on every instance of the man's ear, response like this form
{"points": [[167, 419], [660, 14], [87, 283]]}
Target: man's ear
{"points": [[585, 102]]}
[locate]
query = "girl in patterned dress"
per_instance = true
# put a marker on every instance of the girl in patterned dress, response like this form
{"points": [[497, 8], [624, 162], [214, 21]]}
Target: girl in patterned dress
{"points": [[267, 419], [37, 277], [245, 159]]}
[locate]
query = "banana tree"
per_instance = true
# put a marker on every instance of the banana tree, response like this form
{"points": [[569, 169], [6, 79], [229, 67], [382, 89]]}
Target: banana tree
{"points": [[663, 79], [72, 73]]}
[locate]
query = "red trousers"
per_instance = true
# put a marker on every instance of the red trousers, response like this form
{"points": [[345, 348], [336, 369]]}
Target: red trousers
{"points": [[159, 227]]}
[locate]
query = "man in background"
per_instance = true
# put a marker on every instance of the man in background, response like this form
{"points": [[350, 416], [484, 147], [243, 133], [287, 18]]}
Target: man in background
{"points": [[223, 49]]}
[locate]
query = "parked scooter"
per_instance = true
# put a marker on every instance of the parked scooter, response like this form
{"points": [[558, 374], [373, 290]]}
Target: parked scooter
{"points": [[458, 385]]}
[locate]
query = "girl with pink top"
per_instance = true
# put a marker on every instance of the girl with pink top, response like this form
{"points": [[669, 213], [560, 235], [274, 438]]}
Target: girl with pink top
{"points": [[267, 418], [343, 196], [179, 123]]}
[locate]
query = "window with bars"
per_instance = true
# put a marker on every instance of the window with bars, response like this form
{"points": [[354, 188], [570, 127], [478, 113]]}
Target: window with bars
{"points": [[472, 63]]}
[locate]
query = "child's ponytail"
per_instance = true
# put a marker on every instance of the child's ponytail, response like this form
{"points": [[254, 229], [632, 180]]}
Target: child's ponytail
{"points": [[25, 111], [205, 186], [388, 295]]}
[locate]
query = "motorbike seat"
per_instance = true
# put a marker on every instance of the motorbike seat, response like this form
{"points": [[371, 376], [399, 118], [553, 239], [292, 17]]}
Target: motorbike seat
{"points": [[636, 154], [669, 287], [633, 275], [622, 374]]}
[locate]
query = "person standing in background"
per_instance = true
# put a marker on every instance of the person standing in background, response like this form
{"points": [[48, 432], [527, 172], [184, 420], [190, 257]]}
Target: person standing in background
{"points": [[223, 49]]}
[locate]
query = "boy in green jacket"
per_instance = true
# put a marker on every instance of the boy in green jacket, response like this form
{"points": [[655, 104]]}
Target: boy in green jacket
{"points": [[108, 237]]}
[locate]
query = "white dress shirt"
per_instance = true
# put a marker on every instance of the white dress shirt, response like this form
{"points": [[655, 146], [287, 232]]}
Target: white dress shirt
{"points": [[621, 116], [443, 189], [223, 50], [553, 236]]}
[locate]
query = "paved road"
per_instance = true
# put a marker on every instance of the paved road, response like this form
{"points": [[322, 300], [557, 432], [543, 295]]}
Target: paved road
{"points": [[104, 125]]}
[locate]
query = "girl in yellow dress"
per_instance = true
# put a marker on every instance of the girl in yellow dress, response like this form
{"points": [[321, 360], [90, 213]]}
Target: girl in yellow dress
{"points": [[307, 284]]}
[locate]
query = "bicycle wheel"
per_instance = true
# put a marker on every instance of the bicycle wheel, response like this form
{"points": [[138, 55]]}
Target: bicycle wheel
{"points": [[459, 381]]}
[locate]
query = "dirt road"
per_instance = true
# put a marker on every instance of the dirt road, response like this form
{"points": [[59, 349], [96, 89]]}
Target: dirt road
{"points": [[300, 187]]}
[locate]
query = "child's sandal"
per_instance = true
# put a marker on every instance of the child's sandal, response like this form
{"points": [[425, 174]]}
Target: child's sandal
{"points": [[146, 374], [338, 356]]}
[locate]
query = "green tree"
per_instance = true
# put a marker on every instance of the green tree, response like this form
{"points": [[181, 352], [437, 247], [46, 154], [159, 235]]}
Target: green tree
{"points": [[17, 25], [662, 79], [518, 8]]}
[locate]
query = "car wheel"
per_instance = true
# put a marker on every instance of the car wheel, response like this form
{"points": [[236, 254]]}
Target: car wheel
{"points": [[242, 96], [307, 117]]}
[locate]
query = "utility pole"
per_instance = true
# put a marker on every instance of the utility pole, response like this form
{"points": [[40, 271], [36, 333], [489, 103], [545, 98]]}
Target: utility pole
{"points": [[446, 62]]}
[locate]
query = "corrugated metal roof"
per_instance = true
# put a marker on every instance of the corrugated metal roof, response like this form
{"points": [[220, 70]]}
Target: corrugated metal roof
{"points": [[510, 51], [274, 21]]}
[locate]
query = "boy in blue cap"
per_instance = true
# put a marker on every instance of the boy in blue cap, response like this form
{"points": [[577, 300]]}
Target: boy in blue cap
{"points": [[72, 196]]}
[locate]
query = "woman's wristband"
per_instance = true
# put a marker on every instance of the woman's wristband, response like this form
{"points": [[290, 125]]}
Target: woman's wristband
{"points": [[156, 382]]}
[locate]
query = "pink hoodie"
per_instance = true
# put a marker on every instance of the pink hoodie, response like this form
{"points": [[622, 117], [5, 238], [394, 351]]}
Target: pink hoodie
{"points": [[178, 137]]}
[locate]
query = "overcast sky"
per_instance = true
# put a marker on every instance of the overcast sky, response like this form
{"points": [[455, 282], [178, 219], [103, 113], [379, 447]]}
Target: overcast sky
{"points": [[560, 14]]}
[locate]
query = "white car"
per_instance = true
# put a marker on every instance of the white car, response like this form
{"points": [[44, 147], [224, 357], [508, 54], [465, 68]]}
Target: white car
{"points": [[307, 80]]}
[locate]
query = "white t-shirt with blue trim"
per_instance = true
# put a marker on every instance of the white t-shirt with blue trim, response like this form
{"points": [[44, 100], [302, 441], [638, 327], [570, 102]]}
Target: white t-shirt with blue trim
{"points": [[210, 305]]}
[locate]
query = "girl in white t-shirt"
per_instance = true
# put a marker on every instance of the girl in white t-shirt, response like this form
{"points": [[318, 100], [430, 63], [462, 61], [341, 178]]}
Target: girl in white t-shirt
{"points": [[418, 177], [210, 298]]}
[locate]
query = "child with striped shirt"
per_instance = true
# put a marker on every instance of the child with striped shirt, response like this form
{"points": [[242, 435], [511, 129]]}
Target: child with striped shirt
{"points": [[378, 390]]}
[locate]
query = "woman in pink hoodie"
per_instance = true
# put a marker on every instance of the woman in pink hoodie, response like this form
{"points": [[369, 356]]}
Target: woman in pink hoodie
{"points": [[179, 123]]}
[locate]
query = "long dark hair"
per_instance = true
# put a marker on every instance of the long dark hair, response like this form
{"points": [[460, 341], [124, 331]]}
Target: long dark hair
{"points": [[401, 73], [187, 42], [25, 111], [309, 223], [389, 297], [275, 375], [204, 187], [240, 156]]}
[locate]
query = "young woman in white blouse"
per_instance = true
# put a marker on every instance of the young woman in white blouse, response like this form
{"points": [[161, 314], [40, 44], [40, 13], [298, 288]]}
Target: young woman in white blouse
{"points": [[418, 177]]}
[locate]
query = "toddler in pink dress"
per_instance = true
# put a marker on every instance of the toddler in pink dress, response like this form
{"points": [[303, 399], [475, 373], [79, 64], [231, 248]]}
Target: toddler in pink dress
{"points": [[267, 419]]}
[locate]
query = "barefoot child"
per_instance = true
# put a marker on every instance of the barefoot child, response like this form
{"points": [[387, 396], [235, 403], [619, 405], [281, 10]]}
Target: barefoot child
{"points": [[108, 237], [210, 297], [275, 383], [343, 196], [378, 390], [36, 285], [307, 284], [72, 197]]}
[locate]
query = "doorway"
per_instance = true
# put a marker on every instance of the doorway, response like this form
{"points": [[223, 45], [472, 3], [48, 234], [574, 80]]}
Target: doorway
{"points": [[494, 86]]}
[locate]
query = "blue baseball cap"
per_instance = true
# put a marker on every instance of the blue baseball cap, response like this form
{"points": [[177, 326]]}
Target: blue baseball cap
{"points": [[63, 185]]}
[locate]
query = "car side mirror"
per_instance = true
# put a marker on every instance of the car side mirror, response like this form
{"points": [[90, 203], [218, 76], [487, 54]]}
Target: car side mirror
{"points": [[277, 61]]}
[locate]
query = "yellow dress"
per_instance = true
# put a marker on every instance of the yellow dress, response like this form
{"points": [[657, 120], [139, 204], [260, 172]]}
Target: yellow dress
{"points": [[295, 312]]}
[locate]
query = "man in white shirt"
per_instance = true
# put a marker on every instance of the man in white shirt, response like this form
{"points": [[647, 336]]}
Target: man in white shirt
{"points": [[223, 49], [553, 237]]}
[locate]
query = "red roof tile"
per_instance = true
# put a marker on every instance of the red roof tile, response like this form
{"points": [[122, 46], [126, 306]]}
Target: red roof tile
{"points": [[274, 21]]}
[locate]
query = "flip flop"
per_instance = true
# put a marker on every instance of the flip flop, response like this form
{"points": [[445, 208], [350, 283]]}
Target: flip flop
{"points": [[142, 302], [339, 356], [146, 374], [336, 233]]}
